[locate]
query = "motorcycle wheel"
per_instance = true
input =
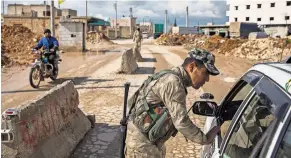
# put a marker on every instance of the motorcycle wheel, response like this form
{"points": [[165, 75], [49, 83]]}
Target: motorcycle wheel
{"points": [[54, 77], [35, 77]]}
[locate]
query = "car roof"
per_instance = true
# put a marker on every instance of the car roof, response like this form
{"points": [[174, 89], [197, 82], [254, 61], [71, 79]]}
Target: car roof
{"points": [[278, 72]]}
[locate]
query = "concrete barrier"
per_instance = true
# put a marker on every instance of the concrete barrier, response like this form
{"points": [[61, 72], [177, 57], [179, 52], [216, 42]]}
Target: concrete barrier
{"points": [[128, 62], [49, 127]]}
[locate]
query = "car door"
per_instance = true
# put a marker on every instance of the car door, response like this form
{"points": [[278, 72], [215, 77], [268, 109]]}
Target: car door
{"points": [[253, 129], [237, 95]]}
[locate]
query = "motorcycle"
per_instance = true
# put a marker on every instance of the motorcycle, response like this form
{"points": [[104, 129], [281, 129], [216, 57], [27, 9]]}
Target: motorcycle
{"points": [[41, 68]]}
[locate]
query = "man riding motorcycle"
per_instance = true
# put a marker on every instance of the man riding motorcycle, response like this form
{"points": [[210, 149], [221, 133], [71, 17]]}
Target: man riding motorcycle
{"points": [[51, 44]]}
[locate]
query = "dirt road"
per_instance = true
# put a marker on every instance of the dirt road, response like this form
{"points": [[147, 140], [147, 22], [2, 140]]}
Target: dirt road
{"points": [[101, 93]]}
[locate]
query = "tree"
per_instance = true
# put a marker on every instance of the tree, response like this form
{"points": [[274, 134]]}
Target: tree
{"points": [[175, 23]]}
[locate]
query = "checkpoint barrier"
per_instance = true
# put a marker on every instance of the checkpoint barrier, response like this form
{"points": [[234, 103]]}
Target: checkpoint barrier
{"points": [[49, 127]]}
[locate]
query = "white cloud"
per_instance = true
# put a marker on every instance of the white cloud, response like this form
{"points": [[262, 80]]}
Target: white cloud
{"points": [[145, 12], [154, 10]]}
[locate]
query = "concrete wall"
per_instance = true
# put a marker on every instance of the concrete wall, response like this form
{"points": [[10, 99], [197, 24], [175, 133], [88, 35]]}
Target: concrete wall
{"points": [[36, 25], [277, 31], [72, 36], [111, 33], [265, 12], [49, 127], [185, 30], [124, 32], [215, 31]]}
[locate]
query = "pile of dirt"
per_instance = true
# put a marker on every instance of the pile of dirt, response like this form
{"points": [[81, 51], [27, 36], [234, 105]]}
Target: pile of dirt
{"points": [[94, 37], [176, 39], [5, 61], [17, 42], [269, 49], [260, 49]]}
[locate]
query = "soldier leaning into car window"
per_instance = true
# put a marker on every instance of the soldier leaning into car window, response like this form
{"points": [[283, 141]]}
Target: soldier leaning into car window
{"points": [[159, 107]]}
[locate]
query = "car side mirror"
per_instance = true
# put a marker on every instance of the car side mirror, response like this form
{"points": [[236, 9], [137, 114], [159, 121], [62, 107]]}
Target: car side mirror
{"points": [[205, 108]]}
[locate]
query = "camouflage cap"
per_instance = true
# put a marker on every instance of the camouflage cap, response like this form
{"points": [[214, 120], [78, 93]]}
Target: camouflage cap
{"points": [[207, 58]]}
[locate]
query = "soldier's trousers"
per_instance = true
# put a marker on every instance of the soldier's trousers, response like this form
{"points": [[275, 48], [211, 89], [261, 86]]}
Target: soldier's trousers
{"points": [[145, 152], [138, 146], [137, 47]]}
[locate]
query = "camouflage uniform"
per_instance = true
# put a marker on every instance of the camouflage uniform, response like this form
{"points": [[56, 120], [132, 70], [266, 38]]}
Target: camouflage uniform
{"points": [[170, 90], [137, 37], [138, 145]]}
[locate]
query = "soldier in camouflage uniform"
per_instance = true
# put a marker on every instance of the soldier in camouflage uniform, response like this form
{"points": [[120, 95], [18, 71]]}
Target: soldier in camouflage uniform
{"points": [[137, 38], [157, 110]]}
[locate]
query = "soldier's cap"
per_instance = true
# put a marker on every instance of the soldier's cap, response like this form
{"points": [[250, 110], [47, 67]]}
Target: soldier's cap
{"points": [[207, 58]]}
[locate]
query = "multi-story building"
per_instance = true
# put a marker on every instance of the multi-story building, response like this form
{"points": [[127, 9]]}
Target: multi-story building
{"points": [[70, 12], [273, 17], [125, 23], [39, 10], [260, 12]]}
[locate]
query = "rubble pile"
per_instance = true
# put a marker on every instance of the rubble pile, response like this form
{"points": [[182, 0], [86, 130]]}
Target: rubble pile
{"points": [[17, 42], [94, 37], [259, 49], [176, 39], [4, 59], [262, 49]]}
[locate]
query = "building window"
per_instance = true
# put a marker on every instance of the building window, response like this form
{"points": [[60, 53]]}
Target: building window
{"points": [[248, 6], [247, 18], [287, 17], [259, 19], [235, 19], [272, 4], [259, 5], [271, 18], [46, 13], [288, 3], [236, 7]]}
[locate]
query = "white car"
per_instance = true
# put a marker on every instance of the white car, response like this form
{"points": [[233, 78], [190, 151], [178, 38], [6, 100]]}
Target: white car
{"points": [[145, 35], [255, 114]]}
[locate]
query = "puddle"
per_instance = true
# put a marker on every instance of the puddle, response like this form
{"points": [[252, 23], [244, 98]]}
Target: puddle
{"points": [[230, 79], [100, 52]]}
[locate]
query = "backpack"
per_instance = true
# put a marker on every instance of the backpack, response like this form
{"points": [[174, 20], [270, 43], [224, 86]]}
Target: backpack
{"points": [[154, 121]]}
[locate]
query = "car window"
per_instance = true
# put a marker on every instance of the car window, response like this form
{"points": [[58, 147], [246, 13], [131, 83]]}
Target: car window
{"points": [[252, 124], [230, 107], [241, 95], [284, 150]]}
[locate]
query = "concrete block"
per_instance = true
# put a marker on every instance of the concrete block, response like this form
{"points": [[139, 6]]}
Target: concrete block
{"points": [[50, 126], [128, 63]]}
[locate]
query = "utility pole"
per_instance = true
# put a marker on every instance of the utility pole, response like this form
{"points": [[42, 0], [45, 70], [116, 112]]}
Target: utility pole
{"points": [[166, 20], [52, 18], [130, 10], [44, 2], [187, 16], [130, 25], [15, 8], [115, 6], [86, 9], [3, 7]]}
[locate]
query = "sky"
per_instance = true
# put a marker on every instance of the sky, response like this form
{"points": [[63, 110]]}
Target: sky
{"points": [[200, 12]]}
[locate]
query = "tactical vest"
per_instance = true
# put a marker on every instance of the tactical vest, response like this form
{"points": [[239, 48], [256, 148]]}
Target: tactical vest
{"points": [[154, 121]]}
